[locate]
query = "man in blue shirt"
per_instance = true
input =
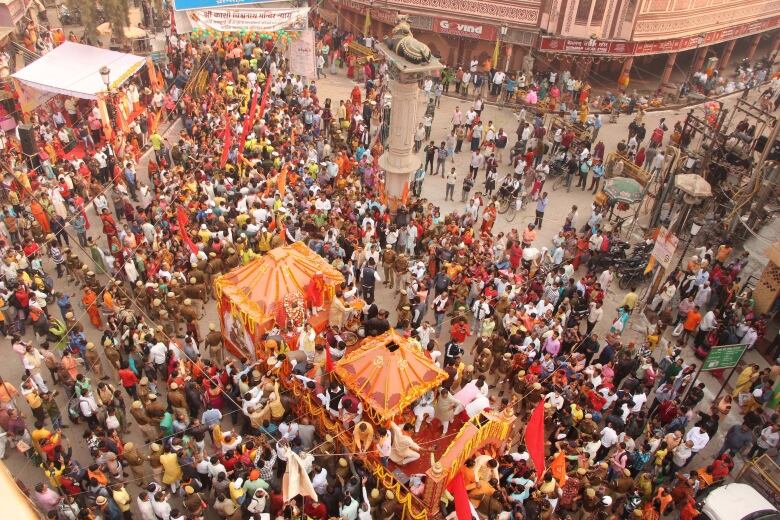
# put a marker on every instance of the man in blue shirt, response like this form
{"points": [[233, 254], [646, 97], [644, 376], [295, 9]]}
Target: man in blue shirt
{"points": [[130, 178], [541, 206]]}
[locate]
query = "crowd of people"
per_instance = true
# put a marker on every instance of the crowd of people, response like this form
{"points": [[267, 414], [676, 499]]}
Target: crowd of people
{"points": [[512, 321]]}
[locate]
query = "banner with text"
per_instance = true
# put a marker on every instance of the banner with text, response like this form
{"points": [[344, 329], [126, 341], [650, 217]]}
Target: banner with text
{"points": [[249, 19], [302, 55]]}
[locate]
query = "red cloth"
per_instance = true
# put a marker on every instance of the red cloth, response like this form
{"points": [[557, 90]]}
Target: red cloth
{"points": [[227, 142], [534, 438], [182, 219], [462, 504]]}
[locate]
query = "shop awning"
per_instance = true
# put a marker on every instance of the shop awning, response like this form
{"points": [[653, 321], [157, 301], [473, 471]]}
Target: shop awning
{"points": [[73, 69]]}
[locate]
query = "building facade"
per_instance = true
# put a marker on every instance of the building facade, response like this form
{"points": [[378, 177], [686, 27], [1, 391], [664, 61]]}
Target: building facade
{"points": [[609, 36]]}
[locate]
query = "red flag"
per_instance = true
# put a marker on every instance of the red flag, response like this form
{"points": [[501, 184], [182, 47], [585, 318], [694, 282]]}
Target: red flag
{"points": [[462, 504], [182, 219], [248, 122], [534, 438], [227, 142]]}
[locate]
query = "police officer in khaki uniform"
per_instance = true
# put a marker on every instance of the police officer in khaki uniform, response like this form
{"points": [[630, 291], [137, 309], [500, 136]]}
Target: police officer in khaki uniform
{"points": [[92, 357], [144, 422], [196, 291], [72, 323], [215, 267], [231, 260], [214, 343], [171, 304], [112, 353], [190, 314], [401, 268], [388, 266], [155, 409], [178, 401]]}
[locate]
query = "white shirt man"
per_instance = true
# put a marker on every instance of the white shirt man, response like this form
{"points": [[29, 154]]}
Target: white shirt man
{"points": [[608, 437], [698, 437], [320, 481]]}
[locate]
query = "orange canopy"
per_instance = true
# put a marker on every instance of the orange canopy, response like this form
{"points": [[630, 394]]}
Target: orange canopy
{"points": [[388, 373], [256, 287]]}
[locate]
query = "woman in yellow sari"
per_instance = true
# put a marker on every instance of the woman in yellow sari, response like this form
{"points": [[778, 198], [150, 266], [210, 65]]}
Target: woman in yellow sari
{"points": [[745, 380]]}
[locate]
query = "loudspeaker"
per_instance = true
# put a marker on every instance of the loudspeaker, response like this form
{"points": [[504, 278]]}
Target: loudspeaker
{"points": [[27, 137]]}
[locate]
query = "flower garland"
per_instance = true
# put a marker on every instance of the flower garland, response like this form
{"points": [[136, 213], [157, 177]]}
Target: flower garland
{"points": [[294, 308]]}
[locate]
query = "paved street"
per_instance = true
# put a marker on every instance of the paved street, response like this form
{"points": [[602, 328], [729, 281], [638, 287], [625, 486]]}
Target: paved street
{"points": [[338, 87]]}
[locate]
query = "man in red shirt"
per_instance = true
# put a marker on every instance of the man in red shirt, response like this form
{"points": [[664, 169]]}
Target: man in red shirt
{"points": [[460, 330], [129, 380], [315, 509]]}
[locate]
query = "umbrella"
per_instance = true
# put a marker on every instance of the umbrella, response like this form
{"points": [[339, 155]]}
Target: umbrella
{"points": [[129, 32], [693, 184], [623, 189]]}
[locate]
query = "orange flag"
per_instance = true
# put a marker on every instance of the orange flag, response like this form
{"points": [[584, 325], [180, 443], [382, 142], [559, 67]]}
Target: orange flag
{"points": [[558, 467], [405, 193], [281, 182]]}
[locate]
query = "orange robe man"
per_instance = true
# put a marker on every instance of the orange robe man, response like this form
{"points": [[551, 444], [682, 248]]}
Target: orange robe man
{"points": [[89, 299], [40, 215]]}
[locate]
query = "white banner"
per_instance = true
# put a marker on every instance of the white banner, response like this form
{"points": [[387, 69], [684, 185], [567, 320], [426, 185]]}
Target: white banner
{"points": [[249, 19], [302, 55]]}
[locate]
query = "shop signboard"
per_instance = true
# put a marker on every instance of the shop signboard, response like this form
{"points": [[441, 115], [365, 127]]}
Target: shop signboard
{"points": [[579, 46], [453, 27], [250, 19], [183, 5]]}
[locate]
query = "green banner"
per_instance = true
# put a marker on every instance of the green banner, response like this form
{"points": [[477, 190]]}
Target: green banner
{"points": [[724, 356]]}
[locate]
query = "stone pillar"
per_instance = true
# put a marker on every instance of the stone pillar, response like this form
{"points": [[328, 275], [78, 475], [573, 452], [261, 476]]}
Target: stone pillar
{"points": [[753, 46], [668, 68], [725, 56], [775, 46], [398, 161], [698, 59]]}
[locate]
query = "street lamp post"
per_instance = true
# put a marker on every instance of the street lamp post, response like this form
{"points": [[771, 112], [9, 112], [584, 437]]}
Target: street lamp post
{"points": [[105, 75], [504, 30], [699, 41], [696, 226]]}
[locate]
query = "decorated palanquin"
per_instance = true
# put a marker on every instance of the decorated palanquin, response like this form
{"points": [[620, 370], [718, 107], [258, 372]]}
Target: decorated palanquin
{"points": [[277, 289], [388, 373]]}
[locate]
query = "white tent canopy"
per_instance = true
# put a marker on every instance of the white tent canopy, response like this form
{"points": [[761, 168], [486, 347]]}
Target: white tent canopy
{"points": [[73, 69]]}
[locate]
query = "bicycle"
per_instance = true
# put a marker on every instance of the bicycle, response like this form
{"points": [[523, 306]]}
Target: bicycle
{"points": [[519, 205]]}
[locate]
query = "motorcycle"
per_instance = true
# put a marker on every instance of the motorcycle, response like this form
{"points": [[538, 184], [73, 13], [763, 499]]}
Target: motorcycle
{"points": [[633, 276], [69, 16]]}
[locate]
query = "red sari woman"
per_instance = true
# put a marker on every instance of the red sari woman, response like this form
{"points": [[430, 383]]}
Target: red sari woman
{"points": [[78, 202], [488, 218]]}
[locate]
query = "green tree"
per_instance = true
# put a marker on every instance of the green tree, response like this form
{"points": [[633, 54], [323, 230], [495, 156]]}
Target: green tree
{"points": [[88, 14], [117, 12]]}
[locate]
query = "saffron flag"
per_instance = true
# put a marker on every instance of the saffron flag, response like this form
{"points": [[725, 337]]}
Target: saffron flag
{"points": [[558, 467], [227, 142], [329, 365], [534, 438], [405, 193], [182, 219], [281, 182], [462, 503]]}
